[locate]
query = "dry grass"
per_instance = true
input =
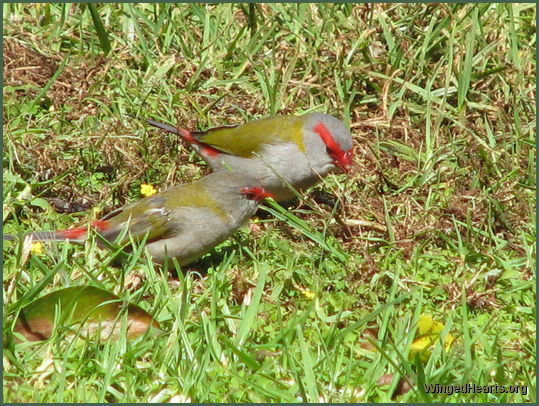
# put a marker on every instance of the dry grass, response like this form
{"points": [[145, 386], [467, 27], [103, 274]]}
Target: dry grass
{"points": [[442, 195]]}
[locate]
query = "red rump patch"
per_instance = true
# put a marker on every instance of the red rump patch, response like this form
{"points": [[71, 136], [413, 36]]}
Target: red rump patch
{"points": [[80, 232], [100, 225], [205, 149], [73, 233], [209, 150], [187, 136]]}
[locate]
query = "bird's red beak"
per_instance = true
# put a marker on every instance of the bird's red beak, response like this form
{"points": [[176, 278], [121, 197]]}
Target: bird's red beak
{"points": [[344, 161], [257, 193]]}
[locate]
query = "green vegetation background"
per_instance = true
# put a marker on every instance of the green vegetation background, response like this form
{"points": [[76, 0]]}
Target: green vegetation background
{"points": [[317, 305]]}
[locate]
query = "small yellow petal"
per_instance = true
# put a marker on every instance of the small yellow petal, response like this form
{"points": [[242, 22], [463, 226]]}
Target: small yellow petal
{"points": [[428, 333], [147, 190], [449, 338], [37, 248], [427, 325], [422, 343], [309, 294]]}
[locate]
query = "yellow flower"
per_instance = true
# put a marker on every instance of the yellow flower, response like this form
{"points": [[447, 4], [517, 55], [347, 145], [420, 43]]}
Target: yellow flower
{"points": [[37, 248], [147, 190], [309, 294], [428, 332]]}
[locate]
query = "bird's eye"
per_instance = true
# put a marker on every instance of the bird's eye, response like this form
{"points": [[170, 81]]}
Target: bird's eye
{"points": [[329, 150]]}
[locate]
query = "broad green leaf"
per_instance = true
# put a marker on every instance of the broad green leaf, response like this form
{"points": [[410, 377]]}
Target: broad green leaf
{"points": [[92, 310]]}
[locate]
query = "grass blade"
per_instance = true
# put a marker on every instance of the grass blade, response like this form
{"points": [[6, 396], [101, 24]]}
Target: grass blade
{"points": [[310, 381], [252, 310], [100, 29], [466, 71]]}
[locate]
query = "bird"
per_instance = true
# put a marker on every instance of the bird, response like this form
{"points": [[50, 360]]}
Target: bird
{"points": [[183, 222], [284, 152]]}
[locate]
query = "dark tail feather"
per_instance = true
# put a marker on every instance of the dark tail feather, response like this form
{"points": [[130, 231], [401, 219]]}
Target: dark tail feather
{"points": [[165, 127], [186, 135]]}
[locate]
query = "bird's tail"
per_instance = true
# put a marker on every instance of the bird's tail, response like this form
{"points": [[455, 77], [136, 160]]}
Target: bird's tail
{"points": [[166, 127], [192, 138], [75, 235]]}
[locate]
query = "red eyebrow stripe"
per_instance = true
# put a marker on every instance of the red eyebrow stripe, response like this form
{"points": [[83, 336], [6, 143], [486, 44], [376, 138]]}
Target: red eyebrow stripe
{"points": [[323, 132]]}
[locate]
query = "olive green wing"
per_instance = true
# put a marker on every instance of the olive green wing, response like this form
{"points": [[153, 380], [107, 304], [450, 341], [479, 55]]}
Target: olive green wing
{"points": [[155, 217], [147, 219], [247, 139]]}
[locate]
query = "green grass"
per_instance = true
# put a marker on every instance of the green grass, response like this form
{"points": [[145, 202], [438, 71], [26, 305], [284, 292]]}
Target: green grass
{"points": [[311, 303]]}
